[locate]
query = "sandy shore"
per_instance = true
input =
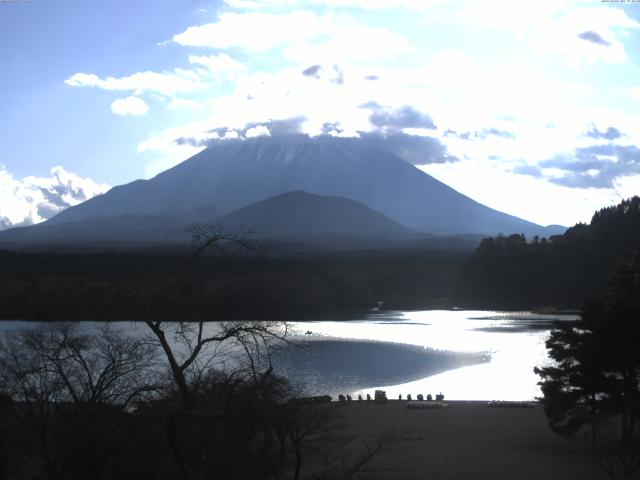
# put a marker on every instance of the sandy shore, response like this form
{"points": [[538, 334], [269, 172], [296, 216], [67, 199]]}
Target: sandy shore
{"points": [[469, 440]]}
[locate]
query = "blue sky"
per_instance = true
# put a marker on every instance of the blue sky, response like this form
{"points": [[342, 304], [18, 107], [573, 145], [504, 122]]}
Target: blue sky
{"points": [[535, 103]]}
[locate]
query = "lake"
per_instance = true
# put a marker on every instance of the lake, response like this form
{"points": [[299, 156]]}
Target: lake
{"points": [[466, 355]]}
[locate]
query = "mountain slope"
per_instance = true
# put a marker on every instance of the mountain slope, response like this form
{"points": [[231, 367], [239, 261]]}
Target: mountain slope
{"points": [[301, 215], [290, 217], [233, 174]]}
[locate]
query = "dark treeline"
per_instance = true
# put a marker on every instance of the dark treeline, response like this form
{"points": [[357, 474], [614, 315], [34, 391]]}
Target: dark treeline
{"points": [[125, 286], [562, 271], [504, 272]]}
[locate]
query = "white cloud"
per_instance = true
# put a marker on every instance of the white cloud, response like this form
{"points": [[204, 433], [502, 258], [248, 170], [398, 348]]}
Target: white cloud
{"points": [[34, 199], [303, 35], [635, 93], [562, 37], [245, 4], [552, 27], [259, 131], [185, 103], [256, 31], [166, 83], [363, 4], [217, 63], [129, 106], [351, 42]]}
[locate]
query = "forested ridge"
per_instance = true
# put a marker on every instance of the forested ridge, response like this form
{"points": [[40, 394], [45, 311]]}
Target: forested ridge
{"points": [[512, 271], [134, 286], [562, 271]]}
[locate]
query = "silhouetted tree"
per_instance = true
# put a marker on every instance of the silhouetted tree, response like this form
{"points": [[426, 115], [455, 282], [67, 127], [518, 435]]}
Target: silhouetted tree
{"points": [[597, 360], [71, 393], [576, 389]]}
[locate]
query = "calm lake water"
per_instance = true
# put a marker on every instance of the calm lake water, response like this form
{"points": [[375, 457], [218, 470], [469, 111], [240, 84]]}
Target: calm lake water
{"points": [[467, 355]]}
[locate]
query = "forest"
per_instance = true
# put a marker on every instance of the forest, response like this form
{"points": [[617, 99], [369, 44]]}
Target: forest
{"points": [[563, 271], [125, 286], [510, 272]]}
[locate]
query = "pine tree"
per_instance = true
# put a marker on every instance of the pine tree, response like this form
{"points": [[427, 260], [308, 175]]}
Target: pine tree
{"points": [[597, 361]]}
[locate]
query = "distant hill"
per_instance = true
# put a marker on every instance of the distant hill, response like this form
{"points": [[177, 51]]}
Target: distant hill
{"points": [[565, 270], [234, 174], [302, 215], [290, 217]]}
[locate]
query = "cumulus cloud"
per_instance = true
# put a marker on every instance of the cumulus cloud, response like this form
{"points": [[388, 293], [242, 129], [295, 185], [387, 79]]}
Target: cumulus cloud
{"points": [[531, 170], [35, 199], [573, 31], [275, 128], [302, 35], [486, 132], [398, 118], [593, 37], [255, 31], [363, 4], [482, 134], [350, 42], [217, 63], [165, 83], [610, 133], [594, 166], [312, 71], [572, 35], [634, 92], [258, 131], [129, 106], [415, 149], [332, 74]]}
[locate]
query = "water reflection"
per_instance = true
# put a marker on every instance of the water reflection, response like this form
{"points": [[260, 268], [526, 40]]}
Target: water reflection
{"points": [[514, 342], [467, 355], [332, 366]]}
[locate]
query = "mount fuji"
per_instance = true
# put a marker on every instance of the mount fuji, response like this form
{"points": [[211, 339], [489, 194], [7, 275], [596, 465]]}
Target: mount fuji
{"points": [[281, 187]]}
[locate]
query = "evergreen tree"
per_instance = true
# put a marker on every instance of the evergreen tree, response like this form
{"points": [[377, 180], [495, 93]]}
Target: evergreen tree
{"points": [[575, 389], [597, 360]]}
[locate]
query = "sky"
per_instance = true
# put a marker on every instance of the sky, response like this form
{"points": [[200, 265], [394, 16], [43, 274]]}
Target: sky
{"points": [[533, 105]]}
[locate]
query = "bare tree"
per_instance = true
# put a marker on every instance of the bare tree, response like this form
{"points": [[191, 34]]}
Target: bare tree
{"points": [[69, 387], [213, 237], [192, 348], [105, 367]]}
